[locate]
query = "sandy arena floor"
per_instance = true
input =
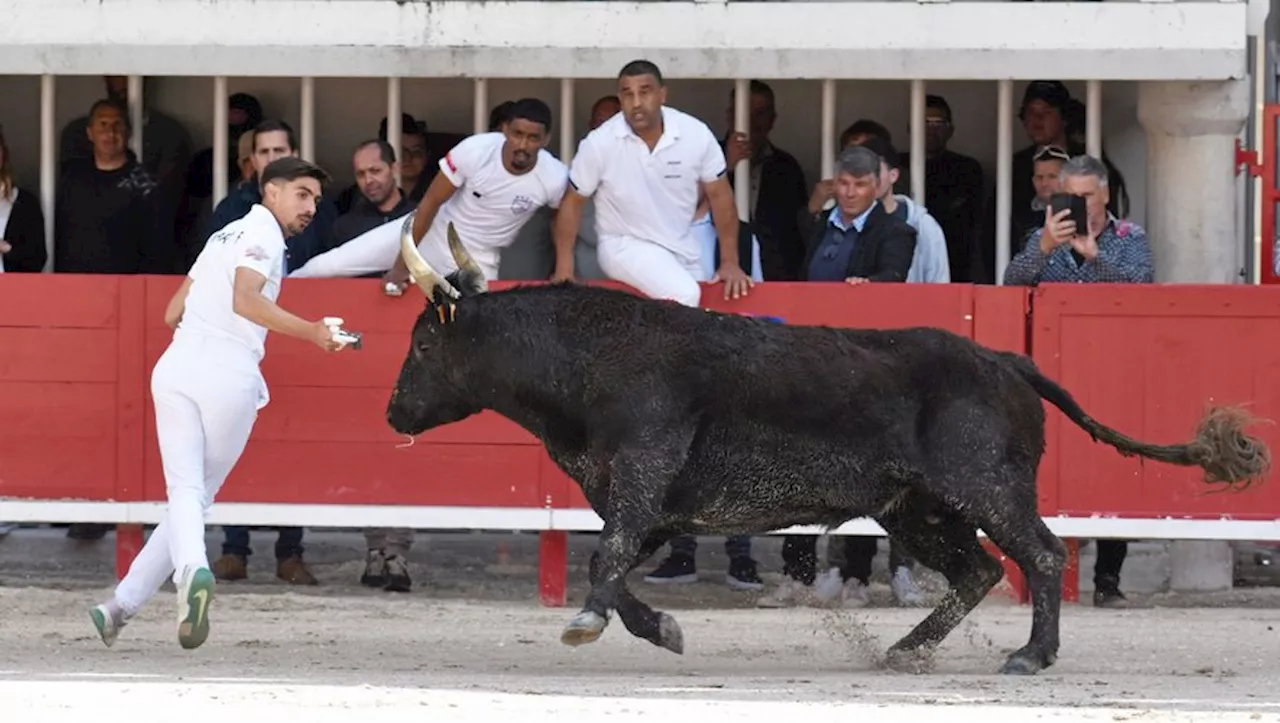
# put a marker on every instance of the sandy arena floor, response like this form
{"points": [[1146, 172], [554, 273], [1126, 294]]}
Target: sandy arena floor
{"points": [[472, 642]]}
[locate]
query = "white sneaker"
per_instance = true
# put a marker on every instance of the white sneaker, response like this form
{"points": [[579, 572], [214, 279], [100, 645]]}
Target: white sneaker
{"points": [[905, 588], [194, 595], [826, 586], [789, 592], [109, 619], [854, 594]]}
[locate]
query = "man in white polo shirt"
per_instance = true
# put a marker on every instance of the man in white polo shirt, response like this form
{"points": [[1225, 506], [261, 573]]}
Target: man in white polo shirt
{"points": [[644, 167], [489, 186]]}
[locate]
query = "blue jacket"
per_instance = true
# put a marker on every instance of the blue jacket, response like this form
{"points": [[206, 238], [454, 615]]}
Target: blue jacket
{"points": [[316, 239]]}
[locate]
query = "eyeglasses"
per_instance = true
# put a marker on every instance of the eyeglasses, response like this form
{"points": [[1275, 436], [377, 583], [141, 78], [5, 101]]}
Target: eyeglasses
{"points": [[1052, 153]]}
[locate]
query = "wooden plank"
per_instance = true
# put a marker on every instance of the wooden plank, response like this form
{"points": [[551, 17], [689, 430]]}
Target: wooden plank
{"points": [[29, 354]]}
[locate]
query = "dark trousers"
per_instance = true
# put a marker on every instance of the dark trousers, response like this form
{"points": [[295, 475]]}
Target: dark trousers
{"points": [[288, 543], [1106, 567], [735, 547], [800, 557]]}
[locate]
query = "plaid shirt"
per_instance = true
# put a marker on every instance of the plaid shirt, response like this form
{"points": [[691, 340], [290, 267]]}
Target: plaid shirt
{"points": [[1123, 257]]}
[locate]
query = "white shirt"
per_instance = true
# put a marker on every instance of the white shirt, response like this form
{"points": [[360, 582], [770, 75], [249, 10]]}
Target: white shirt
{"points": [[254, 241], [490, 204], [648, 195]]}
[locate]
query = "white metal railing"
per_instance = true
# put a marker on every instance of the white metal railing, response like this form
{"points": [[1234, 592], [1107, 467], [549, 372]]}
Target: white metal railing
{"points": [[742, 196]]}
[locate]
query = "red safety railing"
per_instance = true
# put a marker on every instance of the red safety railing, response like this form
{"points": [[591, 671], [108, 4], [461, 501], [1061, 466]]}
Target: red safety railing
{"points": [[76, 354]]}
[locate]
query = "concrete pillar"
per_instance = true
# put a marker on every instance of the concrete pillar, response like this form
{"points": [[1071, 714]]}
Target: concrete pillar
{"points": [[1191, 184], [1192, 224]]}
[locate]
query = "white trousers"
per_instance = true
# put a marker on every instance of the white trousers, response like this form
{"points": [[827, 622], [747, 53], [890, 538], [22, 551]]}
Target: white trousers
{"points": [[376, 250], [207, 393], [651, 269]]}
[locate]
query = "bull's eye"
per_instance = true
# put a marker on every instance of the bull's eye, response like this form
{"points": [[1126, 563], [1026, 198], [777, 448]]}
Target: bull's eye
{"points": [[422, 347]]}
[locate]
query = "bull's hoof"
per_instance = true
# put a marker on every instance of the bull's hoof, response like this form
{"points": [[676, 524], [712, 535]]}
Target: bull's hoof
{"points": [[909, 660], [669, 634], [585, 627], [1021, 663]]}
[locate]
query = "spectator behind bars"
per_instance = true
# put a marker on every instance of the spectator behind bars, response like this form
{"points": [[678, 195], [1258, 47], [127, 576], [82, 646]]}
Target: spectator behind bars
{"points": [[244, 112], [856, 242], [22, 247], [109, 216], [930, 264], [1109, 250], [1048, 166], [952, 190], [379, 199], [274, 139], [166, 145], [415, 173], [777, 186]]}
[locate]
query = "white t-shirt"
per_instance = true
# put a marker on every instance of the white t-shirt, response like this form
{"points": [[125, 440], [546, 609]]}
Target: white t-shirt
{"points": [[490, 203], [648, 195], [254, 241]]}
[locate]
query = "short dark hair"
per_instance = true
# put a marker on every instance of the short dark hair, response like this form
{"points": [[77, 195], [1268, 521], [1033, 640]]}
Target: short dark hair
{"points": [[640, 67], [865, 127], [271, 125], [761, 88], [111, 103], [388, 153], [532, 110], [291, 168], [940, 103], [500, 114], [884, 149]]}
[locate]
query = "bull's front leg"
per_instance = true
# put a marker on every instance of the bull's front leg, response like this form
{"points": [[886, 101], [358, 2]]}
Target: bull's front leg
{"points": [[639, 478]]}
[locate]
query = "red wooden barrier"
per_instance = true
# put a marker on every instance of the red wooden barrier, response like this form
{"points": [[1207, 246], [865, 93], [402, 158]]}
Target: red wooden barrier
{"points": [[76, 353]]}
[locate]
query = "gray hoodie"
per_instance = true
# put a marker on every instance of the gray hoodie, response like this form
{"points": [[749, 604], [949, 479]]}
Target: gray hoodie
{"points": [[930, 264]]}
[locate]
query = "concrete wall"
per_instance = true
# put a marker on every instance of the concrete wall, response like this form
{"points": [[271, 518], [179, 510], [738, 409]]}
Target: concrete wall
{"points": [[348, 110]]}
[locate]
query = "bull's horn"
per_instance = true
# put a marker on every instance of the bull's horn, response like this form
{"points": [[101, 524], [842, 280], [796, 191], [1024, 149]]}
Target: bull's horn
{"points": [[464, 260], [423, 275]]}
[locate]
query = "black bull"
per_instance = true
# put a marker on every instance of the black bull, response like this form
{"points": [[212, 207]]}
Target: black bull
{"points": [[679, 421]]}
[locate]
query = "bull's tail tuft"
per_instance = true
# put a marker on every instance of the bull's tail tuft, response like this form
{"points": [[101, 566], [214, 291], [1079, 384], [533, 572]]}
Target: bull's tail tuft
{"points": [[1228, 456]]}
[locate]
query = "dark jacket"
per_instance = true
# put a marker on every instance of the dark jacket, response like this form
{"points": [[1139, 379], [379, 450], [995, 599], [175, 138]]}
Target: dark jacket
{"points": [[25, 232], [782, 199], [885, 248], [316, 239], [111, 222]]}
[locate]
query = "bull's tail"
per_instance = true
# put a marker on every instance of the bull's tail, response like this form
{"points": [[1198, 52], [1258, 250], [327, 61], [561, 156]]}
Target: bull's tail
{"points": [[1227, 455]]}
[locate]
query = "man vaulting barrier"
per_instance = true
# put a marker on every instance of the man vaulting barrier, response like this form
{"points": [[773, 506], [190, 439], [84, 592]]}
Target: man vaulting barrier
{"points": [[208, 388], [680, 421]]}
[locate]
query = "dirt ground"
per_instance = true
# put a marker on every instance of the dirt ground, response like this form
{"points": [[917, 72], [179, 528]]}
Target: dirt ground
{"points": [[471, 640]]}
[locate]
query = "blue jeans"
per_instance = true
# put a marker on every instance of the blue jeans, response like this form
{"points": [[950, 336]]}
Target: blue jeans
{"points": [[288, 544], [735, 547]]}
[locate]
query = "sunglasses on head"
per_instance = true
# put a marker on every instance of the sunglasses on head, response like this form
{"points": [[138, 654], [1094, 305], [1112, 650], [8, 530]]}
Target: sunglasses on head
{"points": [[1052, 153]]}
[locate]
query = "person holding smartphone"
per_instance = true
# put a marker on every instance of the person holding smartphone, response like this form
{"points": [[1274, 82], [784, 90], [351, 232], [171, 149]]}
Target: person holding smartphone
{"points": [[1083, 242]]}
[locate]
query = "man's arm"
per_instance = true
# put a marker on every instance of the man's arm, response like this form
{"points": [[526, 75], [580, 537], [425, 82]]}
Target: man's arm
{"points": [[1025, 268], [440, 190], [564, 232], [248, 302], [177, 304], [1128, 261], [724, 213]]}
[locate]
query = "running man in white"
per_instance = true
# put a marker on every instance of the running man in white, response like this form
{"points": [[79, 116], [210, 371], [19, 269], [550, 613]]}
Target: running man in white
{"points": [[644, 167], [208, 388], [488, 187]]}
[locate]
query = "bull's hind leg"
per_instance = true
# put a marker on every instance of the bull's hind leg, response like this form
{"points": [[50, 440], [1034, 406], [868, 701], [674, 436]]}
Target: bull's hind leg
{"points": [[950, 546], [641, 620]]}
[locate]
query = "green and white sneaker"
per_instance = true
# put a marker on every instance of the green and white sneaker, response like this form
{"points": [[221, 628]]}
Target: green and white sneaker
{"points": [[194, 595], [109, 619]]}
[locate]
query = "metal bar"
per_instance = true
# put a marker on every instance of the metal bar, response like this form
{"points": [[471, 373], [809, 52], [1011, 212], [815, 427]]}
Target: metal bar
{"points": [[1267, 228], [480, 121], [1004, 176], [1093, 118], [566, 121], [135, 115], [220, 132], [307, 135], [828, 143], [48, 161], [917, 142], [742, 173], [394, 131]]}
